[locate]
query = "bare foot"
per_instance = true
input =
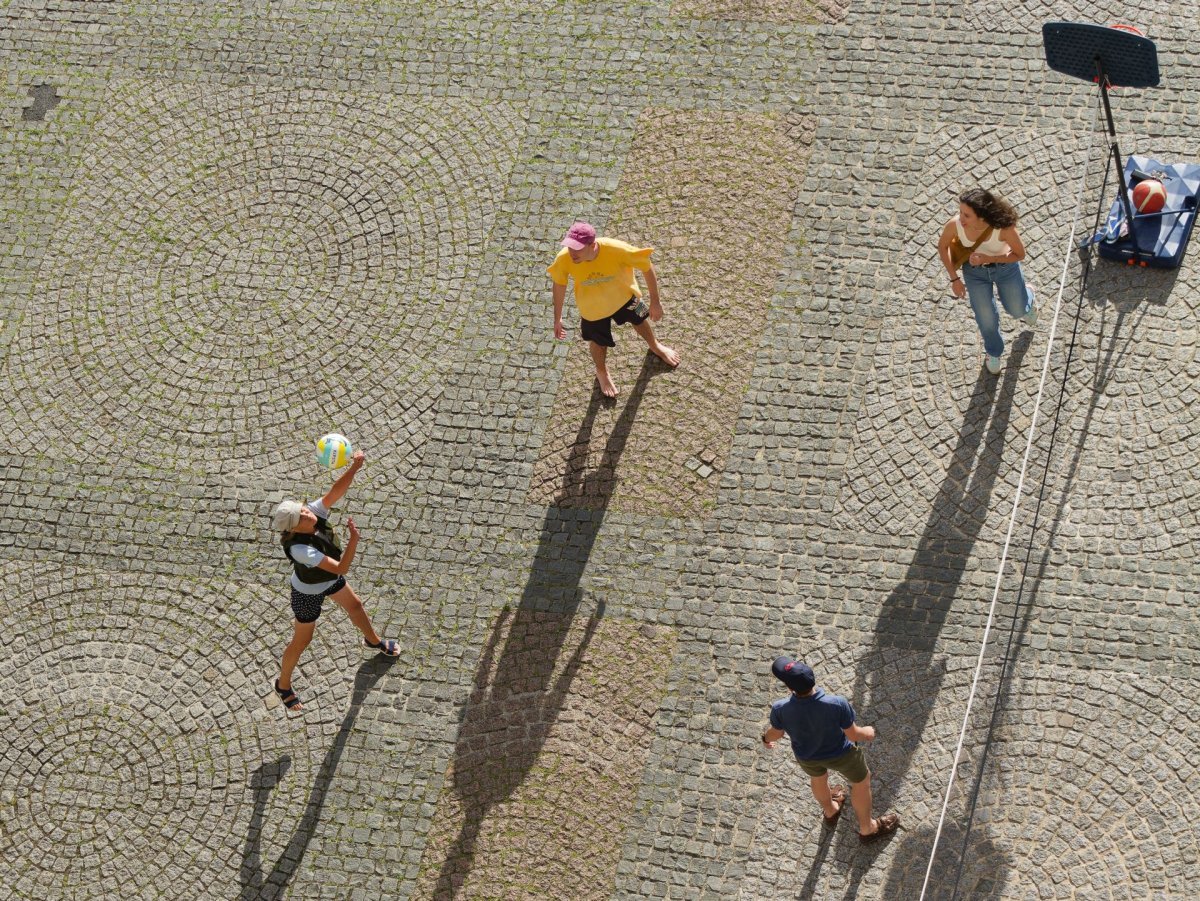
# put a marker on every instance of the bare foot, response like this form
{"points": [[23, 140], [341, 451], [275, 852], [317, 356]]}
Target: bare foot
{"points": [[607, 388], [666, 354]]}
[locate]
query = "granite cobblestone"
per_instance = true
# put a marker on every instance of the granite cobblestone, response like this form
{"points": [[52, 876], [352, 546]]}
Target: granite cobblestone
{"points": [[396, 175]]}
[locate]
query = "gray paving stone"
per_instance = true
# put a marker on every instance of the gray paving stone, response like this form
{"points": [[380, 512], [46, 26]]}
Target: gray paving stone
{"points": [[220, 187]]}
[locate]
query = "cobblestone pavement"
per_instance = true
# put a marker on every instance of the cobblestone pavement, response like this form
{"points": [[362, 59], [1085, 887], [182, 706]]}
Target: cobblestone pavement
{"points": [[230, 227]]}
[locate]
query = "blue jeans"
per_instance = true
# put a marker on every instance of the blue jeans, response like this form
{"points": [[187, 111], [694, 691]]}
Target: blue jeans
{"points": [[983, 283]]}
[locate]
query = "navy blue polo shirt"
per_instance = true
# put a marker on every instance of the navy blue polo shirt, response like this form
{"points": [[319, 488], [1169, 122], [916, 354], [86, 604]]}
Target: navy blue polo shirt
{"points": [[815, 724]]}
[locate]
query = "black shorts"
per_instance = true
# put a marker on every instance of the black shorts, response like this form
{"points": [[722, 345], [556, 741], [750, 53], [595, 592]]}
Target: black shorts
{"points": [[599, 331], [307, 607]]}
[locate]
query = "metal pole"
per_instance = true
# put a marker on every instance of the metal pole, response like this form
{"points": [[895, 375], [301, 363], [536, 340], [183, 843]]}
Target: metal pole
{"points": [[1112, 131]]}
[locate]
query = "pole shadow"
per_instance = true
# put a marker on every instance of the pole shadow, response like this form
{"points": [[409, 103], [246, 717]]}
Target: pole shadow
{"points": [[515, 699], [257, 886], [986, 879]]}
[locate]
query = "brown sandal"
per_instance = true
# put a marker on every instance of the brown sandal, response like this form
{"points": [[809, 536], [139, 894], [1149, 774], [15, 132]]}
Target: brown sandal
{"points": [[839, 795], [887, 825]]}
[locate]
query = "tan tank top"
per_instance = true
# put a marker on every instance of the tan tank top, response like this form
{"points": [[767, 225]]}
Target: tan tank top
{"points": [[992, 247]]}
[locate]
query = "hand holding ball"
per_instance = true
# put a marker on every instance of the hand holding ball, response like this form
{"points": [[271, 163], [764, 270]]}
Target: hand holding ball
{"points": [[333, 450]]}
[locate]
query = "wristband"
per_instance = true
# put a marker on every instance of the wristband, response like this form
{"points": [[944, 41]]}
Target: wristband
{"points": [[957, 278]]}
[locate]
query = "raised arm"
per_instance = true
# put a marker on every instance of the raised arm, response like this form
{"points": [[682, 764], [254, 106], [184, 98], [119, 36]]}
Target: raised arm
{"points": [[340, 487]]}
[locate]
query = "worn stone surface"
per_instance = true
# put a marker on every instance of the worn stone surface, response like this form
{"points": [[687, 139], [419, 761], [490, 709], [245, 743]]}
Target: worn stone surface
{"points": [[548, 758], [713, 195], [245, 224]]}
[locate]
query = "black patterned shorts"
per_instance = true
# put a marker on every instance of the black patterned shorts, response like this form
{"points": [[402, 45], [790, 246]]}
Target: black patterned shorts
{"points": [[307, 607], [599, 331]]}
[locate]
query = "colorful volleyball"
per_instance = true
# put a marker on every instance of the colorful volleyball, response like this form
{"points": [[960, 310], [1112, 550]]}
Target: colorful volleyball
{"points": [[333, 450]]}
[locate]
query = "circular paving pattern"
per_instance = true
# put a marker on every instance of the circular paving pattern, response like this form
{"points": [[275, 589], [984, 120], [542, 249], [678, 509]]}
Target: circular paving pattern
{"points": [[241, 266], [659, 448], [915, 700], [1132, 390], [1095, 818], [131, 734], [961, 466], [1124, 421], [1092, 817], [939, 389]]}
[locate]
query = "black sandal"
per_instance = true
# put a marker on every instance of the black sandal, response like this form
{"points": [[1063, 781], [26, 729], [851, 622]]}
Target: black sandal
{"points": [[388, 646], [288, 696]]}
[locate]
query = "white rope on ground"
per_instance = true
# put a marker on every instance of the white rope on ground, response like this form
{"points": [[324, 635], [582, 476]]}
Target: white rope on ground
{"points": [[987, 629]]}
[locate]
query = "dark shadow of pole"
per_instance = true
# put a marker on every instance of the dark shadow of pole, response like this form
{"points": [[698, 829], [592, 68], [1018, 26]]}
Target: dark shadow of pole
{"points": [[986, 879], [509, 715], [256, 886]]}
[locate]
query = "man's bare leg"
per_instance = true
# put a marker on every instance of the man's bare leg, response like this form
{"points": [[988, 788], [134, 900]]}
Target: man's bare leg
{"points": [[860, 800], [660, 350], [600, 358], [820, 790]]}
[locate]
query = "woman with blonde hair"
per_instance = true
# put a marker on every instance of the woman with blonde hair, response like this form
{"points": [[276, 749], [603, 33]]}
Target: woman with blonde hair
{"points": [[319, 571], [982, 239]]}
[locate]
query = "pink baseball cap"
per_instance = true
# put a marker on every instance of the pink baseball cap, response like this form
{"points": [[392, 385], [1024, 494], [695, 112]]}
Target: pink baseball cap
{"points": [[579, 236]]}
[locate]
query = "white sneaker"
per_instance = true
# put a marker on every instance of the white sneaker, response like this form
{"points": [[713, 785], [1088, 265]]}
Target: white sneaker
{"points": [[994, 364], [1030, 318]]}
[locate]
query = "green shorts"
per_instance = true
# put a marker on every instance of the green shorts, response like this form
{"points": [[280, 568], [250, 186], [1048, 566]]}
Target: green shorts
{"points": [[852, 765]]}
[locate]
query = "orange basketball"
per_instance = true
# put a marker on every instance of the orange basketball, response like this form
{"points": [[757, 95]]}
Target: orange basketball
{"points": [[1149, 196]]}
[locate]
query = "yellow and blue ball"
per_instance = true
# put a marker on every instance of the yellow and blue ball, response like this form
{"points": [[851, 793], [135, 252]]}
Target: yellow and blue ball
{"points": [[333, 450]]}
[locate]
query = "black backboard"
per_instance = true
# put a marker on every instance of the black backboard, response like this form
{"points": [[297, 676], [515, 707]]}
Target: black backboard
{"points": [[1073, 48]]}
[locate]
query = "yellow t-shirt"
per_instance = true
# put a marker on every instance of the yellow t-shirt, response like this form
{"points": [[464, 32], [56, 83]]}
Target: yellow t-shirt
{"points": [[605, 284]]}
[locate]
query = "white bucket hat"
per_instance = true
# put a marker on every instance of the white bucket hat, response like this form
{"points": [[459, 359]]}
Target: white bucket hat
{"points": [[286, 516]]}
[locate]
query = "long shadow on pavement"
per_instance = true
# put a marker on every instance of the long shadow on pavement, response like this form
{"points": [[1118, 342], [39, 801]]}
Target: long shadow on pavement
{"points": [[515, 700], [901, 698], [966, 852], [962, 851], [255, 885]]}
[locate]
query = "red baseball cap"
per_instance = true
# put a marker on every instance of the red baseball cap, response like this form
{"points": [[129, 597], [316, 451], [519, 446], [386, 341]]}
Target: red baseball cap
{"points": [[579, 236]]}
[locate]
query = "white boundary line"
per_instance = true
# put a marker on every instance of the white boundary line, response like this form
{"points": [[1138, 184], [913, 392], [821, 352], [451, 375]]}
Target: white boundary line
{"points": [[1012, 521]]}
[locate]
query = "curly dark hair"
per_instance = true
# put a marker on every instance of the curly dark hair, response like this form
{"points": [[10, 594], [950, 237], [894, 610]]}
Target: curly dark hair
{"points": [[991, 208]]}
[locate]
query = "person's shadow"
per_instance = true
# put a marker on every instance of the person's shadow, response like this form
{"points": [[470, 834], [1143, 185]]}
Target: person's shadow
{"points": [[898, 680], [969, 865], [516, 699], [257, 886], [912, 616]]}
